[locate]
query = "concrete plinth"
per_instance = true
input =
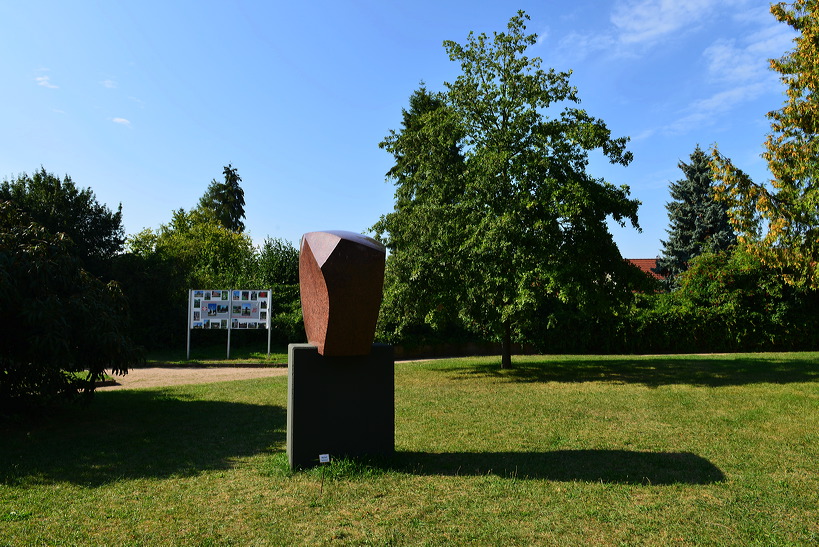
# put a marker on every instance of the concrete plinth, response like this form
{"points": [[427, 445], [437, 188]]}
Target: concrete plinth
{"points": [[342, 406]]}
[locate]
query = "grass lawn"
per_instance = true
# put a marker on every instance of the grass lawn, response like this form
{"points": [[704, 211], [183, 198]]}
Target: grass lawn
{"points": [[216, 356], [719, 450]]}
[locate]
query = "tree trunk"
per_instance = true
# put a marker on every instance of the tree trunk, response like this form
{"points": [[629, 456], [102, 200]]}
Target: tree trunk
{"points": [[506, 346]]}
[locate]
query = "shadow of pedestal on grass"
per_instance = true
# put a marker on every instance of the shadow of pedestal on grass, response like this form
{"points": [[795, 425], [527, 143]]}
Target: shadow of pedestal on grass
{"points": [[608, 466]]}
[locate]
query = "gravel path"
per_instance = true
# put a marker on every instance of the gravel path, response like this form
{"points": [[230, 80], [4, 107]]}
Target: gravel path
{"points": [[174, 376]]}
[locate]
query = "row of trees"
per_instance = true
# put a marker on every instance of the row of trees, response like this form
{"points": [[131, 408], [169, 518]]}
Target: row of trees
{"points": [[777, 222], [752, 249], [206, 247], [81, 297], [192, 251], [499, 230]]}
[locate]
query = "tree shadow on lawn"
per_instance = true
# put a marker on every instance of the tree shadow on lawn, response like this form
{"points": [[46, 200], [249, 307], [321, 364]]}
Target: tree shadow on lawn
{"points": [[133, 434], [655, 371], [607, 466]]}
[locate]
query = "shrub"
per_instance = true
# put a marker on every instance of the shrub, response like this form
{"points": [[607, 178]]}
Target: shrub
{"points": [[58, 319], [727, 301]]}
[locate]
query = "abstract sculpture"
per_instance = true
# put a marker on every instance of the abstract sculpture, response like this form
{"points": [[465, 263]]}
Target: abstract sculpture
{"points": [[340, 386], [341, 277]]}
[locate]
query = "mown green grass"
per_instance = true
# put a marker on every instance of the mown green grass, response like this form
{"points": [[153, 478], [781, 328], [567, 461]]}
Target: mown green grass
{"points": [[216, 355], [715, 450]]}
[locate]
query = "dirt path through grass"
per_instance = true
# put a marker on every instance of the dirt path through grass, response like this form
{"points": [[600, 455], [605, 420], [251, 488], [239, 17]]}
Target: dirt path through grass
{"points": [[148, 377], [172, 376]]}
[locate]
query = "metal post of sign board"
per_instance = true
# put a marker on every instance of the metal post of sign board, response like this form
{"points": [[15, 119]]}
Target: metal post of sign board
{"points": [[267, 322], [228, 345], [230, 294], [230, 303], [188, 323]]}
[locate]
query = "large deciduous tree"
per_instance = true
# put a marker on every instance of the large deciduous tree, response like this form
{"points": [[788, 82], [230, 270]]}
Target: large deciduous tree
{"points": [[60, 207], [780, 222], [697, 221], [225, 201], [429, 215], [495, 214]]}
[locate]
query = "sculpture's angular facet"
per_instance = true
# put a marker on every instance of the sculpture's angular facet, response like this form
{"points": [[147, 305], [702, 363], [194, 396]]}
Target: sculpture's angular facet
{"points": [[341, 278]]}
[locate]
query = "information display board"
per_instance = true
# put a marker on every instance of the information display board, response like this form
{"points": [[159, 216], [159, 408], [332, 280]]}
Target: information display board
{"points": [[248, 310], [209, 309], [229, 309]]}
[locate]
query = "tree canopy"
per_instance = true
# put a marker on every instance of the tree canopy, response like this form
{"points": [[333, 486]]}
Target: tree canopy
{"points": [[225, 201], [191, 251], [278, 263], [779, 222], [495, 214], [60, 207], [203, 254], [697, 221]]}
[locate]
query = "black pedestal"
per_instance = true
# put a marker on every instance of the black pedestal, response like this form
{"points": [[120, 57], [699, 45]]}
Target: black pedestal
{"points": [[341, 406]]}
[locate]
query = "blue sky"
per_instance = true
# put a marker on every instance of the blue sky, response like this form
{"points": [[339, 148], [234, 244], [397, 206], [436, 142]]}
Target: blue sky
{"points": [[145, 102]]}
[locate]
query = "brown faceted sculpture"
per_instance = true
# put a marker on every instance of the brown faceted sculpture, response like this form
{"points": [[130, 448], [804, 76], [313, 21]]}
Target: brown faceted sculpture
{"points": [[341, 279]]}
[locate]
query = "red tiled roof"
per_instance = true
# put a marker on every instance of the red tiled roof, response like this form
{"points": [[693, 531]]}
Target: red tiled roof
{"points": [[646, 264]]}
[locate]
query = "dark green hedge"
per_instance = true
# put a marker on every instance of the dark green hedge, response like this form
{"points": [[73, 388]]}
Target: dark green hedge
{"points": [[725, 302]]}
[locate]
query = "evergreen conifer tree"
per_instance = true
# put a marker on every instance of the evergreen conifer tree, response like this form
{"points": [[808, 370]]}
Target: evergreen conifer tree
{"points": [[698, 223], [226, 201]]}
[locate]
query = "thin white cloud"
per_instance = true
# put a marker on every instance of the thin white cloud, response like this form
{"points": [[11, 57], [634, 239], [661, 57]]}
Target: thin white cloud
{"points": [[110, 84], [728, 62], [643, 135], [543, 35], [725, 100], [646, 21], [584, 45], [738, 70], [733, 62], [705, 112], [45, 81], [121, 121], [638, 24], [757, 15]]}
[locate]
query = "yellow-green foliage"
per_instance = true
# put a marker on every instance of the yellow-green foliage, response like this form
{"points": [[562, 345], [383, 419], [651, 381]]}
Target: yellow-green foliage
{"points": [[780, 223]]}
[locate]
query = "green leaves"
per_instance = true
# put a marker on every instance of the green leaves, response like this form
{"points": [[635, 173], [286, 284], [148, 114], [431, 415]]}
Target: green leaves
{"points": [[59, 318], [201, 251], [225, 201], [697, 221], [780, 222], [193, 250], [59, 206]]}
